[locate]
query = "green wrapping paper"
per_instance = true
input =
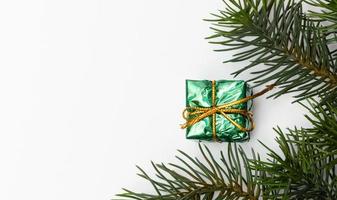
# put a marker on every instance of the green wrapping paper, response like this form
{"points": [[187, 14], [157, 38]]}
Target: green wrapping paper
{"points": [[199, 94]]}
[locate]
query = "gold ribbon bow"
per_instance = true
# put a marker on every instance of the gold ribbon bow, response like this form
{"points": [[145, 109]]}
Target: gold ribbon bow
{"points": [[200, 113]]}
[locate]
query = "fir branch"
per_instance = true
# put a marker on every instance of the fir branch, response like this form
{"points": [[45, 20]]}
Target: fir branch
{"points": [[324, 119], [293, 51], [301, 172], [307, 167], [231, 178], [327, 13], [324, 132]]}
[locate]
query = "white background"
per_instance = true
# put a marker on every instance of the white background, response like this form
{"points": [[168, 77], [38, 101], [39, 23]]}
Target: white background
{"points": [[90, 88]]}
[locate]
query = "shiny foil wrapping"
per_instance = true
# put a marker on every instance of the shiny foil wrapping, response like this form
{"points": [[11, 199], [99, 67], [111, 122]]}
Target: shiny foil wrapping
{"points": [[199, 94]]}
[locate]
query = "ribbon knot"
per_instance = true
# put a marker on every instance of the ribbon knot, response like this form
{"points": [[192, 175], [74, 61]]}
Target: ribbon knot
{"points": [[193, 115]]}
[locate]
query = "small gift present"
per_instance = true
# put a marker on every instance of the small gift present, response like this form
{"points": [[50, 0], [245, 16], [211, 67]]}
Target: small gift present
{"points": [[219, 110]]}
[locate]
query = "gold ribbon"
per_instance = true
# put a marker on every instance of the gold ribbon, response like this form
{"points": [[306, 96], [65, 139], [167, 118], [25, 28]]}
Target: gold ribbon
{"points": [[200, 113]]}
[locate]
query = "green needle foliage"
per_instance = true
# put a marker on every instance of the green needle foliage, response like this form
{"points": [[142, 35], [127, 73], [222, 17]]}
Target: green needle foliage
{"points": [[307, 168], [296, 50], [328, 13], [325, 131], [301, 172], [230, 178], [283, 46]]}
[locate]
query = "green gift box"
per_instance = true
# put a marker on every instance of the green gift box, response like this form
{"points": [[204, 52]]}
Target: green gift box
{"points": [[218, 110]]}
